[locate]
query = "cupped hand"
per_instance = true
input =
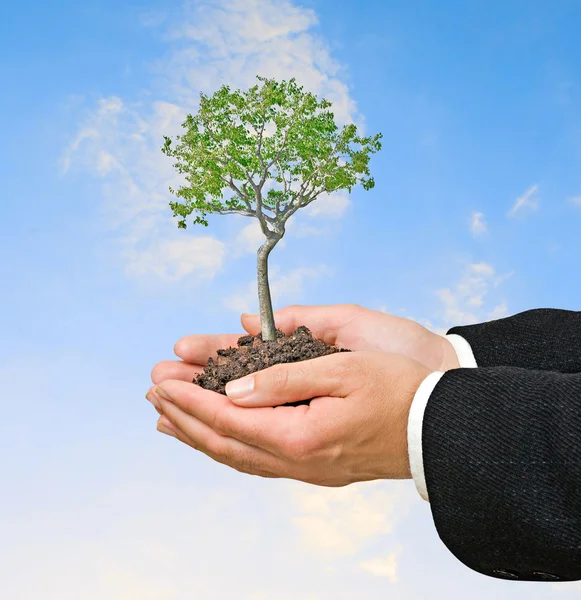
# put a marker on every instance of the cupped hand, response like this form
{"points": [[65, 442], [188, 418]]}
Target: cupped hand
{"points": [[355, 428], [344, 325]]}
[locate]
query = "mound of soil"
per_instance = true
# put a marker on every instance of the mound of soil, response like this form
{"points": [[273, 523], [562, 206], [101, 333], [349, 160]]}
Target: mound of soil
{"points": [[252, 354]]}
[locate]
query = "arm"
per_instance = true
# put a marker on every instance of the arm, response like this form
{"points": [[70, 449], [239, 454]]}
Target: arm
{"points": [[501, 454], [545, 338]]}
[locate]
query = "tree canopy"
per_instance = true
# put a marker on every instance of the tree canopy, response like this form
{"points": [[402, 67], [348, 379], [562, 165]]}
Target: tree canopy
{"points": [[227, 147]]}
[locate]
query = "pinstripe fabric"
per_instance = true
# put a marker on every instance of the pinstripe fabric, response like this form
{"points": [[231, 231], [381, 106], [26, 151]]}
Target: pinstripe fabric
{"points": [[502, 449]]}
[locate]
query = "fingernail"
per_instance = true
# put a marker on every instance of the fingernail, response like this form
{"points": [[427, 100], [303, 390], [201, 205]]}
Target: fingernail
{"points": [[161, 392], [166, 430], [240, 387], [151, 397]]}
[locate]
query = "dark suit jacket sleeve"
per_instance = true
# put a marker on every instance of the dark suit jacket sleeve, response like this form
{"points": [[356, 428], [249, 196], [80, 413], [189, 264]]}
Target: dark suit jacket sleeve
{"points": [[542, 338], [501, 451]]}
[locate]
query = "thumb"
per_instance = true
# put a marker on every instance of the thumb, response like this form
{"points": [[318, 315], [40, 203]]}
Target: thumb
{"points": [[290, 382], [323, 321], [251, 323], [283, 318]]}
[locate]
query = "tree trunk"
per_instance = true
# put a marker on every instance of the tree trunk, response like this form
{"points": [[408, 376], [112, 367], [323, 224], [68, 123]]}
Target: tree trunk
{"points": [[265, 302]]}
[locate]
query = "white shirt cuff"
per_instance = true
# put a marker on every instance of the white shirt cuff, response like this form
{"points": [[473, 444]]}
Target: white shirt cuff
{"points": [[463, 351], [415, 419], [418, 407]]}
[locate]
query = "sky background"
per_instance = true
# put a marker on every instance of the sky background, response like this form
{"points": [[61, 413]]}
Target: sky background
{"points": [[475, 215]]}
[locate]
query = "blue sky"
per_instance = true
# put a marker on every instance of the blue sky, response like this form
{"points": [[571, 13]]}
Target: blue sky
{"points": [[475, 215]]}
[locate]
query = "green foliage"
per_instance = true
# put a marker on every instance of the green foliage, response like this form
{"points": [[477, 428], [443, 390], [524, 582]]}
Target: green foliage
{"points": [[225, 147]]}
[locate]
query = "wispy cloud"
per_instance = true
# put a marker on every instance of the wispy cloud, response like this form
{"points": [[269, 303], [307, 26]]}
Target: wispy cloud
{"points": [[329, 205], [464, 302], [527, 202], [335, 522], [227, 42], [477, 225], [575, 200], [383, 567], [288, 287], [249, 239]]}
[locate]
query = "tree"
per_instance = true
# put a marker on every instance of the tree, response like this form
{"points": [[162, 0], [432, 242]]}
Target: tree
{"points": [[226, 147]]}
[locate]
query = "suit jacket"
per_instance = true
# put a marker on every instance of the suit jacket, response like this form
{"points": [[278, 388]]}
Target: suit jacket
{"points": [[501, 448]]}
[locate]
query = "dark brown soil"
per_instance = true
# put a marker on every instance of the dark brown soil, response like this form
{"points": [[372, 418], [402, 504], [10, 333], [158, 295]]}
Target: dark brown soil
{"points": [[252, 354]]}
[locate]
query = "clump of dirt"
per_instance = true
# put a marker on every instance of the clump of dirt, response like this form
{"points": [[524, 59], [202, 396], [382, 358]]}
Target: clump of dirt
{"points": [[252, 354]]}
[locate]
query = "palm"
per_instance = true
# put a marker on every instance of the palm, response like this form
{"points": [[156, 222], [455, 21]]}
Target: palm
{"points": [[347, 326]]}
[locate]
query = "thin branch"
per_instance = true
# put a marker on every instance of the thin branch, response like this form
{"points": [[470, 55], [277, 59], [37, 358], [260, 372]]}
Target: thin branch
{"points": [[283, 145], [286, 187], [243, 196], [258, 150], [232, 211]]}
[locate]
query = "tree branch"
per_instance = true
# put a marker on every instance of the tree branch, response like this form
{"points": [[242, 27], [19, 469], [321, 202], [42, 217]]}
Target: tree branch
{"points": [[259, 153], [286, 187], [243, 196], [282, 147], [232, 211]]}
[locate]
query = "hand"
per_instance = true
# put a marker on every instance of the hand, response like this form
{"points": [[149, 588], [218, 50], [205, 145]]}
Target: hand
{"points": [[358, 328], [345, 325], [355, 428]]}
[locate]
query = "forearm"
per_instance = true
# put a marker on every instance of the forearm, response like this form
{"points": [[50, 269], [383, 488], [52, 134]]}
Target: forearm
{"points": [[544, 339], [501, 452]]}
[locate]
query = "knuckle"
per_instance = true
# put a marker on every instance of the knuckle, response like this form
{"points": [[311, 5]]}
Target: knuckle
{"points": [[344, 366], [215, 447], [219, 421], [300, 447], [279, 379], [356, 308]]}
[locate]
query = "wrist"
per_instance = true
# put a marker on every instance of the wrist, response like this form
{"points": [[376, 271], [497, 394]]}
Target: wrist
{"points": [[417, 382], [449, 356]]}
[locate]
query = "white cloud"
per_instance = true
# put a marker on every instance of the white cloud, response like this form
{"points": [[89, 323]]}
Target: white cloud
{"points": [[228, 42], [287, 288], [334, 522], [171, 260], [498, 312], [477, 225], [249, 239], [576, 200], [464, 302], [382, 567], [330, 205], [527, 201]]}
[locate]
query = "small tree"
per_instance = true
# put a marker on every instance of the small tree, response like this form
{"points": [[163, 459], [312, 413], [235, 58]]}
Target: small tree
{"points": [[226, 146]]}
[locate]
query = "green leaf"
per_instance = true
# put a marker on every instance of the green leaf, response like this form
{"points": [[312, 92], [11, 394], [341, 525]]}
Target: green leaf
{"points": [[226, 156]]}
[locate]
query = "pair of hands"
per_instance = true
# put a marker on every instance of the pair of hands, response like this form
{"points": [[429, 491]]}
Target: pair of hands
{"points": [[355, 428]]}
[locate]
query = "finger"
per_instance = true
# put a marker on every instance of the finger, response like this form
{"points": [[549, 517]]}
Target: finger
{"points": [[196, 349], [290, 382], [164, 425], [272, 429], [323, 321], [154, 399], [174, 369], [223, 449]]}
